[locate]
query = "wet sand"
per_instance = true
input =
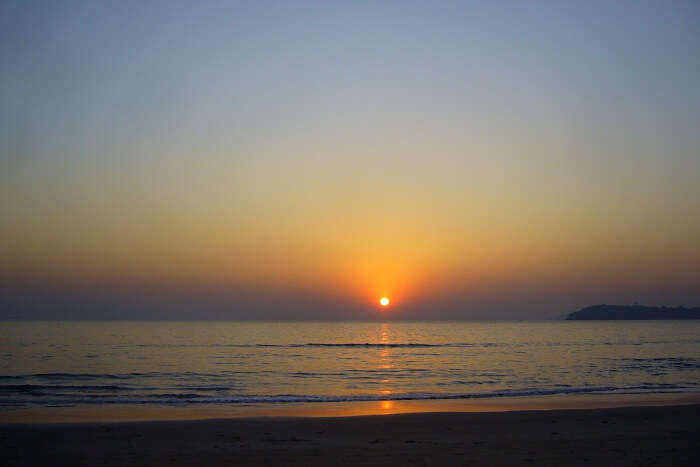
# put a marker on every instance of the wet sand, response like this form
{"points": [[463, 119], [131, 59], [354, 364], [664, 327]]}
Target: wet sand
{"points": [[666, 435]]}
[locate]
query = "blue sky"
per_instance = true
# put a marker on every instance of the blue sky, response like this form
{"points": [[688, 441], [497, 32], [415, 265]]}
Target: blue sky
{"points": [[451, 155]]}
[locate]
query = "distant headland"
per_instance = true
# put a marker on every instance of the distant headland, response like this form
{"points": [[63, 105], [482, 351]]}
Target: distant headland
{"points": [[603, 312]]}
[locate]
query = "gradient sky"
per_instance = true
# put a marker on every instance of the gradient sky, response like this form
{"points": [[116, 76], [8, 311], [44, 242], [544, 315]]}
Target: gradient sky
{"points": [[298, 160]]}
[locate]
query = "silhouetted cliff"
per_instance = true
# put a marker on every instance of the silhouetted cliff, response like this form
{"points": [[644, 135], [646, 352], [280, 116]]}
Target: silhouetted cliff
{"points": [[599, 312]]}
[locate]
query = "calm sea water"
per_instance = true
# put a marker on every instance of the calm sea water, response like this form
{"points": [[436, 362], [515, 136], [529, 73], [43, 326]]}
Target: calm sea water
{"points": [[73, 363]]}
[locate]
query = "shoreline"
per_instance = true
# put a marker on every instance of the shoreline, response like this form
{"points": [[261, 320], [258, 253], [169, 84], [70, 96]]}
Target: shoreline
{"points": [[666, 435], [140, 413]]}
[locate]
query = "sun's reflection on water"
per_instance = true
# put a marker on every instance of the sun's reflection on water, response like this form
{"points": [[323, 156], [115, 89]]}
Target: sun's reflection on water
{"points": [[385, 364]]}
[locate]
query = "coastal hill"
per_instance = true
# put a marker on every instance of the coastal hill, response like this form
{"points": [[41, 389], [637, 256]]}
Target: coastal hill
{"points": [[602, 312]]}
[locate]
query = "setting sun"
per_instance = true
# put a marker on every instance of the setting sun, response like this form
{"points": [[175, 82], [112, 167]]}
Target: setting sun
{"points": [[384, 301]]}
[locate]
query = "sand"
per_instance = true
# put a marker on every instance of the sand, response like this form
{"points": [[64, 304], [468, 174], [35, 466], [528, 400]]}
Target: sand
{"points": [[611, 436]]}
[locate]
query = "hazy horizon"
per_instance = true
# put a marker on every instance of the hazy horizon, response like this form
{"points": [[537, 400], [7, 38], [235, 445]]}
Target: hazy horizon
{"points": [[269, 161]]}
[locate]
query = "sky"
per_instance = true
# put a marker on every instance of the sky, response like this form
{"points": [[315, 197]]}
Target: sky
{"points": [[300, 160]]}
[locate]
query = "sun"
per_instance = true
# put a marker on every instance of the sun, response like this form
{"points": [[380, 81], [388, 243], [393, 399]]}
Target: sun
{"points": [[384, 301]]}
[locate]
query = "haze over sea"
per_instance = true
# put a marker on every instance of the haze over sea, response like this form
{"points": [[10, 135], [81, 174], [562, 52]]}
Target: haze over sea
{"points": [[242, 363]]}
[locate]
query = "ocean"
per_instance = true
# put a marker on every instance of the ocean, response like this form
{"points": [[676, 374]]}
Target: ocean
{"points": [[47, 364]]}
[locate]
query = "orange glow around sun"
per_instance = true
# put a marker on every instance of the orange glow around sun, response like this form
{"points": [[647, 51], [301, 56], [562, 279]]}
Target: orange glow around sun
{"points": [[384, 301]]}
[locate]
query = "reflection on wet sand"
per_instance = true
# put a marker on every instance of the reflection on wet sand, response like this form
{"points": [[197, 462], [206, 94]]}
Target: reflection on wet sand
{"points": [[118, 412]]}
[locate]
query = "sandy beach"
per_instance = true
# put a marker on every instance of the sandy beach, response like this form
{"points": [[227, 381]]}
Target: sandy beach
{"points": [[666, 435]]}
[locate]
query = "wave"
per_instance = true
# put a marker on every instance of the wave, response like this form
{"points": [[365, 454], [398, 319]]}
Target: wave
{"points": [[184, 398], [421, 345], [68, 376], [119, 376], [42, 387], [380, 345]]}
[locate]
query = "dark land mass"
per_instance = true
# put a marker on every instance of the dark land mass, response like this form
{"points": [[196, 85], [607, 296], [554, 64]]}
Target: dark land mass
{"points": [[602, 312]]}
